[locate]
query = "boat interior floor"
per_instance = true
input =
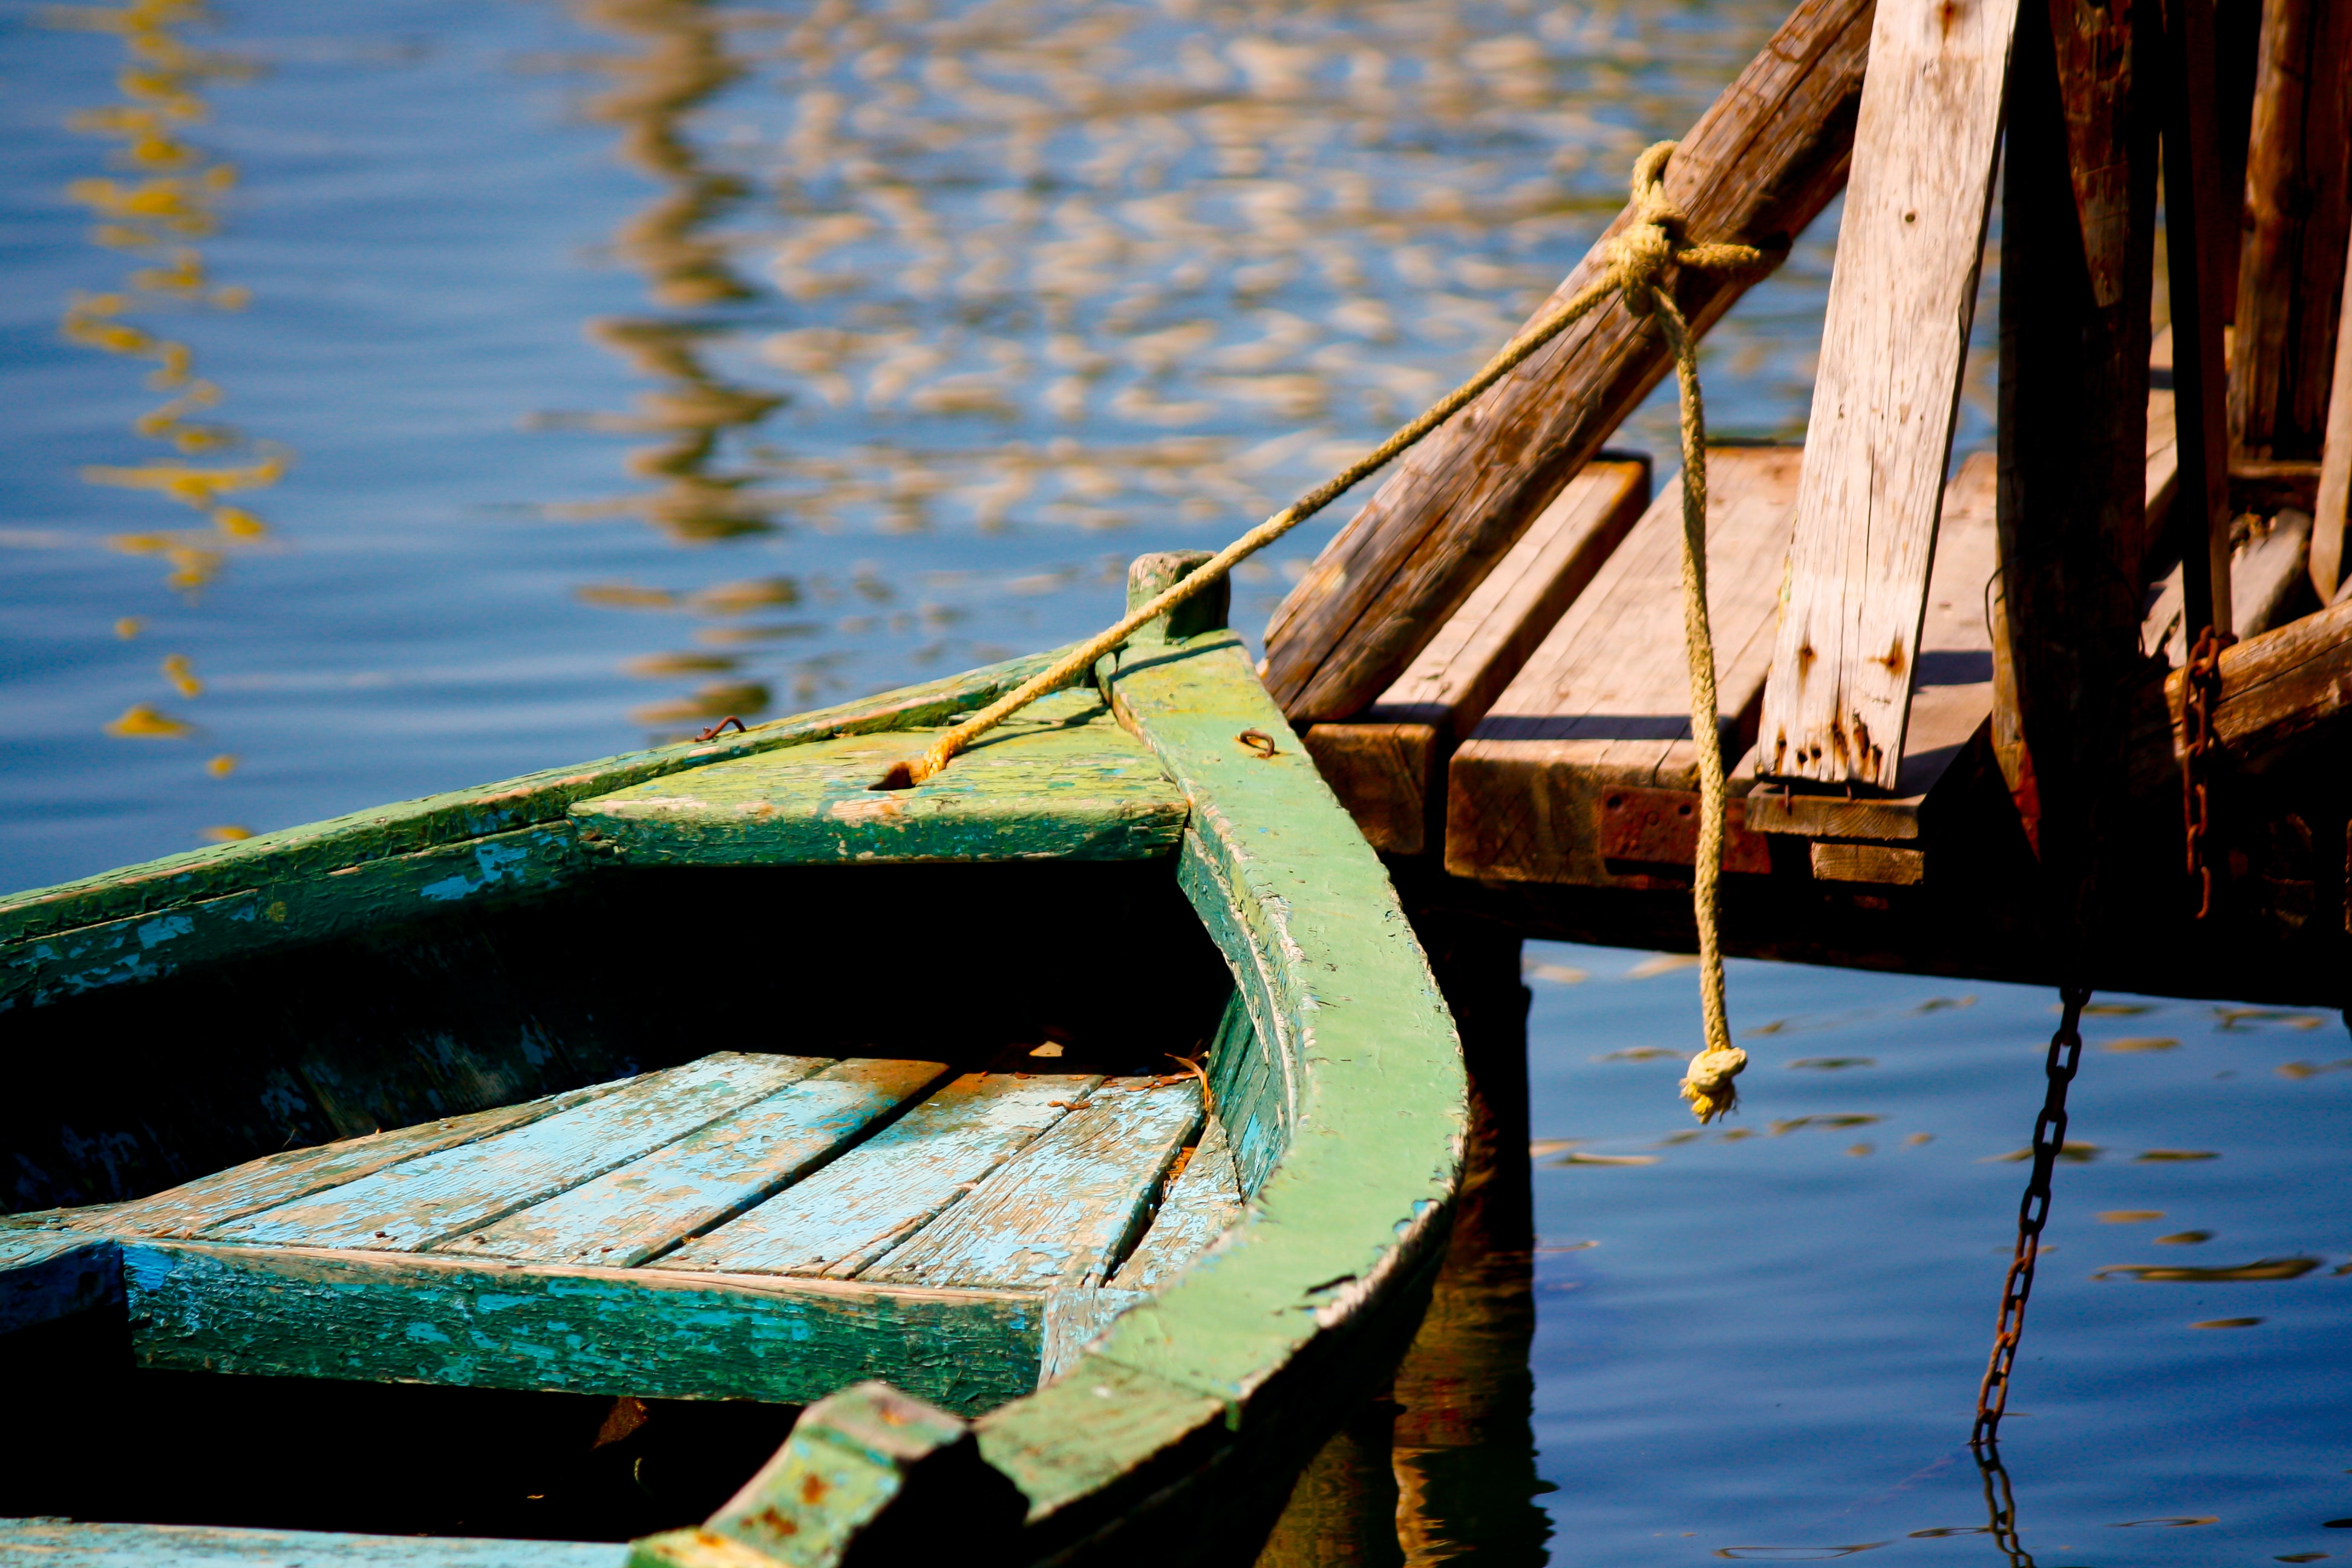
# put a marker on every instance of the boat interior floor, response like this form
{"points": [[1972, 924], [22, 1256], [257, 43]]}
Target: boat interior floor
{"points": [[741, 1226]]}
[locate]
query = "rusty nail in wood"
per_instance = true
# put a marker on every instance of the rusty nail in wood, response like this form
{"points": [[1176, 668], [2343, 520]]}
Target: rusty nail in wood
{"points": [[1258, 740], [720, 728]]}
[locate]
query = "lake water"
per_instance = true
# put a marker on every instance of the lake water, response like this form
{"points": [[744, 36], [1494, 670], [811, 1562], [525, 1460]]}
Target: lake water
{"points": [[408, 395]]}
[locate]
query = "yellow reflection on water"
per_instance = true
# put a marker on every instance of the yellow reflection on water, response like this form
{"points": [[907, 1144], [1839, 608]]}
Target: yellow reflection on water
{"points": [[161, 199]]}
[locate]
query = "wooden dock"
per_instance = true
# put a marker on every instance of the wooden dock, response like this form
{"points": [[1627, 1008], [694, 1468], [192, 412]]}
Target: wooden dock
{"points": [[1954, 701]]}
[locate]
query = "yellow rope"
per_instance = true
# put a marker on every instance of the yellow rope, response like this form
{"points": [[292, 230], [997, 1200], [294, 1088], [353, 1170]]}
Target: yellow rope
{"points": [[1638, 259]]}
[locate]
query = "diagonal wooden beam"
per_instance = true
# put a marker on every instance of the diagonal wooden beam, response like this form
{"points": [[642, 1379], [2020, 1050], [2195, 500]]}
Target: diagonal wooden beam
{"points": [[1757, 168]]}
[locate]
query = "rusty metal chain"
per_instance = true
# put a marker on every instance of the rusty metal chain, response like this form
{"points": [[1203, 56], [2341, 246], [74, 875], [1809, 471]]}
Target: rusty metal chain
{"points": [[2200, 690], [2001, 1508], [2049, 1141]]}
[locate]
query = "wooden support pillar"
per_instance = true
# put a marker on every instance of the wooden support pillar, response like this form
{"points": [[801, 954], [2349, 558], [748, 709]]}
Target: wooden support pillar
{"points": [[2077, 245], [2200, 229], [2298, 217]]}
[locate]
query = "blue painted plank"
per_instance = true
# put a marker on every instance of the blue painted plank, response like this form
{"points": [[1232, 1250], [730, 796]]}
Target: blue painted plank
{"points": [[50, 1274], [56, 1544], [626, 1217], [1203, 1202], [1062, 1210], [274, 1179], [847, 1215], [409, 1206]]}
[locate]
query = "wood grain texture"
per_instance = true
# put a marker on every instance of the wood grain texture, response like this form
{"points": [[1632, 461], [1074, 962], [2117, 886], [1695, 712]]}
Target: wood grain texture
{"points": [[284, 1311], [1062, 1211], [1058, 781], [2276, 686], [1605, 700], [1757, 168], [1890, 864], [628, 1215], [1901, 302], [855, 1210], [440, 1196], [1388, 767], [2298, 219], [320, 850], [2201, 225], [46, 1275], [61, 1543], [1202, 1204], [275, 1179]]}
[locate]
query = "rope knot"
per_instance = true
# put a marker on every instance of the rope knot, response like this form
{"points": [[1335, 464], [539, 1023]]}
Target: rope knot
{"points": [[1653, 241], [1707, 1082]]}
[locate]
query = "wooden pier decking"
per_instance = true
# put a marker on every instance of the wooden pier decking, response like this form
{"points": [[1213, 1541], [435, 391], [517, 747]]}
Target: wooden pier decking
{"points": [[1952, 690]]}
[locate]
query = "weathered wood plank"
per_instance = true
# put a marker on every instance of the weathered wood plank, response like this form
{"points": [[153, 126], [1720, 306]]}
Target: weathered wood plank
{"points": [[1059, 781], [1901, 302], [50, 1274], [2330, 505], [305, 907], [1062, 1211], [276, 1179], [62, 1543], [1075, 1320], [841, 1219], [1757, 167], [1605, 701], [1890, 864], [2298, 219], [1202, 1204], [285, 1311], [321, 849], [1389, 767], [626, 1217], [2276, 686], [435, 1197], [1952, 679]]}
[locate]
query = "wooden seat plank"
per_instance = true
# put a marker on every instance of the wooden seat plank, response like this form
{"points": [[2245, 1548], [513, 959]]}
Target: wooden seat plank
{"points": [[1064, 1210], [1901, 302], [421, 1317], [1605, 699], [56, 1543], [1061, 780], [275, 1179], [1387, 765], [847, 1215], [626, 1217], [409, 1206], [1202, 1204]]}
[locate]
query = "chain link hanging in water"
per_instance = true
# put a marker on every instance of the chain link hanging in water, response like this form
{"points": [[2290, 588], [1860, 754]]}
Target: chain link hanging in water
{"points": [[2048, 1141]]}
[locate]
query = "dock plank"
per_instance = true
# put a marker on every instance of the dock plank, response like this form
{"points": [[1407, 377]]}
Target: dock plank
{"points": [[1062, 1210], [1060, 780], [409, 1206], [1388, 764], [1605, 699], [626, 1217], [1902, 298], [841, 1219]]}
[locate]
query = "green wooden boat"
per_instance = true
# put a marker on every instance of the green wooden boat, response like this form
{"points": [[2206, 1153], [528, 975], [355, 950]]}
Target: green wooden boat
{"points": [[1032, 1165]]}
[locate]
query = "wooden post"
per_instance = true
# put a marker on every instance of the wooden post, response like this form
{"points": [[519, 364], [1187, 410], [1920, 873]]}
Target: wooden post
{"points": [[2198, 219], [2077, 256], [1901, 302], [2335, 461], [1757, 167], [2298, 217]]}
